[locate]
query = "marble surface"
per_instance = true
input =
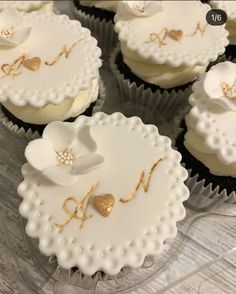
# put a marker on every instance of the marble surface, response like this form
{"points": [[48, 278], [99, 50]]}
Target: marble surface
{"points": [[202, 259]]}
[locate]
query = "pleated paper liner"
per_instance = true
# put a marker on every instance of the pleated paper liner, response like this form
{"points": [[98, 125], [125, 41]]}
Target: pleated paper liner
{"points": [[167, 101], [101, 29]]}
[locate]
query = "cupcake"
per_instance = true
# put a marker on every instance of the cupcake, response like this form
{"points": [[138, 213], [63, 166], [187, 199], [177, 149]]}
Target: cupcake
{"points": [[49, 69], [98, 17], [162, 51], [28, 6], [208, 140], [93, 201], [230, 8]]}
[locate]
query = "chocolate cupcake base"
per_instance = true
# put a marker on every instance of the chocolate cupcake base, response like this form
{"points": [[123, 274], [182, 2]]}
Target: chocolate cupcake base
{"points": [[230, 52]]}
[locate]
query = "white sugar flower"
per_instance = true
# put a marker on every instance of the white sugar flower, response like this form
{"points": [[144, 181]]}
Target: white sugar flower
{"points": [[143, 8], [62, 153], [220, 84], [12, 31]]}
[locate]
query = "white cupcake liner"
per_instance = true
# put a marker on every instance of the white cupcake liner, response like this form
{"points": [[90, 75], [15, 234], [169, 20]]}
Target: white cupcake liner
{"points": [[167, 102], [102, 30], [30, 134]]}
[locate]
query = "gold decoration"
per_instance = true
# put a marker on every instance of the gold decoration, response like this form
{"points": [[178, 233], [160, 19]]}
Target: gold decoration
{"points": [[104, 204], [140, 7], [80, 210], [199, 29], [32, 63], [65, 51], [13, 68], [176, 35], [7, 33], [66, 156], [158, 37], [229, 91], [142, 183]]}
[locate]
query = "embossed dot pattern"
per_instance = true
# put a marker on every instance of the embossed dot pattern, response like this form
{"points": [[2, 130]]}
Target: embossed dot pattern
{"points": [[88, 256]]}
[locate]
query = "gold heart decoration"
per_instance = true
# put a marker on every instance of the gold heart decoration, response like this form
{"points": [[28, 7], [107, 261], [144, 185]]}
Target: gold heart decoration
{"points": [[176, 35], [32, 63], [104, 204]]}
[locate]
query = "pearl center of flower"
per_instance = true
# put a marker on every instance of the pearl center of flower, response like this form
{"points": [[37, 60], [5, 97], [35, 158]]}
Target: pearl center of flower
{"points": [[140, 7], [7, 33], [66, 157], [229, 91]]}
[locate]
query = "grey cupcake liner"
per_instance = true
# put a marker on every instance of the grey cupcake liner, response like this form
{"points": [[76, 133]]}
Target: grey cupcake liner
{"points": [[102, 30], [30, 134], [19, 131], [167, 102], [197, 187]]}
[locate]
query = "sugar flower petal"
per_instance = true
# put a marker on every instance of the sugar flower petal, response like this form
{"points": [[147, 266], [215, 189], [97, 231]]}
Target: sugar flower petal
{"points": [[12, 31], [40, 154], [10, 17], [60, 175], [60, 134], [222, 72], [85, 143], [218, 76], [143, 8], [87, 163]]}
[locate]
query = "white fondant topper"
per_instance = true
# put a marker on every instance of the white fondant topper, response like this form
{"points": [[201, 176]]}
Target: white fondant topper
{"points": [[63, 153], [12, 31], [220, 84], [143, 8], [103, 244]]}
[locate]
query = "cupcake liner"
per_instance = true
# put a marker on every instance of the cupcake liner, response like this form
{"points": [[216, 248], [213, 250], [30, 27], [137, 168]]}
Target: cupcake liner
{"points": [[19, 131], [201, 187], [167, 102], [197, 187], [75, 273], [102, 30], [30, 134]]}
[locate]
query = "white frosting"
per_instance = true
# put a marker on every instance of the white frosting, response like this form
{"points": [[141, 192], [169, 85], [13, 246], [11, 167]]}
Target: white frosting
{"points": [[183, 59], [133, 230], [67, 109], [230, 8], [63, 80], [107, 5], [28, 6], [211, 127], [163, 75]]}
